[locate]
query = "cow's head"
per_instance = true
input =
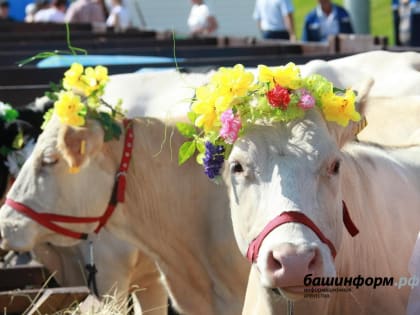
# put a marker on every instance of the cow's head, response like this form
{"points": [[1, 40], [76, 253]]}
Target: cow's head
{"points": [[47, 183], [295, 166], [283, 171]]}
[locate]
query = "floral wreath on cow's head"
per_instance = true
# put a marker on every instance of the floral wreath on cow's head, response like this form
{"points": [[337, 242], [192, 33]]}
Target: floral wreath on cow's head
{"points": [[232, 100], [80, 97]]}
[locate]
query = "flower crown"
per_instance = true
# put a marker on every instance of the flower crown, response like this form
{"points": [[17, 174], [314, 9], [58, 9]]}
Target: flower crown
{"points": [[232, 101], [79, 98]]}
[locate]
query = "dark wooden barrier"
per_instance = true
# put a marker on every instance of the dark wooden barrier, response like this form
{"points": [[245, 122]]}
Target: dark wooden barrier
{"points": [[25, 277], [41, 301], [31, 289], [19, 86]]}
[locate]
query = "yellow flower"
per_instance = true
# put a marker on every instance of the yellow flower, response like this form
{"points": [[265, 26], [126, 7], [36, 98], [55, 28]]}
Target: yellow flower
{"points": [[222, 103], [287, 76], [234, 82], [205, 108], [69, 108], [340, 108], [94, 79], [101, 74], [72, 77]]}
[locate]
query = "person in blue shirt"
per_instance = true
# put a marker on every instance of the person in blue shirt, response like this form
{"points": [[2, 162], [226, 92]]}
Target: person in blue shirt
{"points": [[406, 14], [275, 19], [325, 20]]}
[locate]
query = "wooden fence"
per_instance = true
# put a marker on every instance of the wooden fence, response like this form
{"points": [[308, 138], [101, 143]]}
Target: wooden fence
{"points": [[31, 289], [18, 41]]}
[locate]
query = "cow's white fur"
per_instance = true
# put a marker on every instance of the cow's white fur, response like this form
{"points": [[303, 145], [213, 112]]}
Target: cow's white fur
{"points": [[174, 214], [289, 172]]}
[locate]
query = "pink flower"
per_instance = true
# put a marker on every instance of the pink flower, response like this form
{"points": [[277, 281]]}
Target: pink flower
{"points": [[230, 126], [279, 97], [306, 101]]}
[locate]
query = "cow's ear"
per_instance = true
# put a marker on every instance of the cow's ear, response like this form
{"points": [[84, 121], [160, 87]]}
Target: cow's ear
{"points": [[78, 144], [345, 134]]}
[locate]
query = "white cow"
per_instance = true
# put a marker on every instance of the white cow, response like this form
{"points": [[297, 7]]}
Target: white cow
{"points": [[121, 266], [173, 214], [393, 118], [162, 94], [310, 167], [395, 73]]}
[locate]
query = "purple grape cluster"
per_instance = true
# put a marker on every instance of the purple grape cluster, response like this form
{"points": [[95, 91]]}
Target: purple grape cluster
{"points": [[213, 159]]}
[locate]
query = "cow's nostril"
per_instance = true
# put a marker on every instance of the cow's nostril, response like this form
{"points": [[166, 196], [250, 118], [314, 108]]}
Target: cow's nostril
{"points": [[314, 261], [274, 261]]}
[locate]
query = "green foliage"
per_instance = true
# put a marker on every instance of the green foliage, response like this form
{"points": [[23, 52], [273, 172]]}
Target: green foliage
{"points": [[111, 128], [10, 114], [186, 151], [187, 130]]}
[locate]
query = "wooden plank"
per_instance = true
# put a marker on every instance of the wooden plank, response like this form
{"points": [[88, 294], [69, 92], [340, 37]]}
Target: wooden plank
{"points": [[101, 42], [21, 95], [24, 277], [44, 300], [19, 86]]}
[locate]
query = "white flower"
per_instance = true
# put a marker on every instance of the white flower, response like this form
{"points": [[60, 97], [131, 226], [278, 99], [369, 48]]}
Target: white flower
{"points": [[3, 108]]}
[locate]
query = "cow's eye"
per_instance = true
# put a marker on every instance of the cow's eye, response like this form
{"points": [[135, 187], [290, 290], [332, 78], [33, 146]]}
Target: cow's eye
{"points": [[236, 167], [335, 167], [49, 160]]}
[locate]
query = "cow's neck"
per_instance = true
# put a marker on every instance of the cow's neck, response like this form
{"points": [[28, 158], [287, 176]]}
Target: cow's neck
{"points": [[385, 209], [181, 219]]}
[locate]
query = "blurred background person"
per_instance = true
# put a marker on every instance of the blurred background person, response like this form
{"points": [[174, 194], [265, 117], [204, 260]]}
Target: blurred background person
{"points": [[4, 11], [85, 11], [325, 20], [406, 14], [41, 5], [30, 11], [55, 13], [119, 17], [275, 19], [201, 21]]}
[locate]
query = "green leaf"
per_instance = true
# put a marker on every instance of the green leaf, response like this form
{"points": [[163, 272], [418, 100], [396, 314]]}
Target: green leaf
{"points": [[111, 129], [187, 130], [47, 117], [192, 117], [201, 147], [4, 151], [186, 150], [11, 114], [18, 141]]}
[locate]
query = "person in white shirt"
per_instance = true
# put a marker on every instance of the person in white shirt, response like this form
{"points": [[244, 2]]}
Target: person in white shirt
{"points": [[118, 18], [275, 19], [54, 14], [201, 21]]}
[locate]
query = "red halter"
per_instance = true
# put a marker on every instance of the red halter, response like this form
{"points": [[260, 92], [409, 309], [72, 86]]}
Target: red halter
{"points": [[48, 219], [298, 217]]}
